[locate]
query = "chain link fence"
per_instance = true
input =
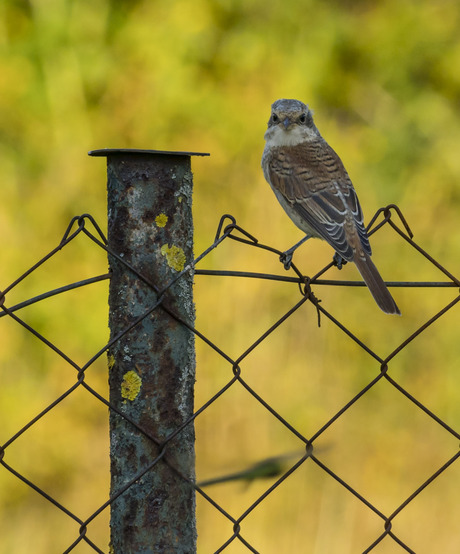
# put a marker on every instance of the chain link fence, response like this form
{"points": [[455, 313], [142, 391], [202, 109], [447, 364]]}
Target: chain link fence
{"points": [[278, 469]]}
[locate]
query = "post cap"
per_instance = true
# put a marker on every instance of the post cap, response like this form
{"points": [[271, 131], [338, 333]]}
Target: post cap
{"points": [[104, 152]]}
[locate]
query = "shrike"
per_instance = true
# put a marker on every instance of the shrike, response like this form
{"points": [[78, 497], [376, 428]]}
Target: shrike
{"points": [[314, 188]]}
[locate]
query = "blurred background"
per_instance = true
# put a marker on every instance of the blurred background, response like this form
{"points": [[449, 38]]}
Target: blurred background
{"points": [[383, 80]]}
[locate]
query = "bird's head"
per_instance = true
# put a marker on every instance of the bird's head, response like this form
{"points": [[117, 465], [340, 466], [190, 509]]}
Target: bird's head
{"points": [[290, 123]]}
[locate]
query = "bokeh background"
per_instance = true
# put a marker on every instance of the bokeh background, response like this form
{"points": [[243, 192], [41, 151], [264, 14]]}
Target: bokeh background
{"points": [[383, 79]]}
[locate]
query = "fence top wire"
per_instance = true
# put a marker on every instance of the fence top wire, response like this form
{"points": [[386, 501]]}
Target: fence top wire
{"points": [[277, 468]]}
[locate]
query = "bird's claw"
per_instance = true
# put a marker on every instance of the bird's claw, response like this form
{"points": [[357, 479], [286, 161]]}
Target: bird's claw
{"points": [[339, 261], [286, 260]]}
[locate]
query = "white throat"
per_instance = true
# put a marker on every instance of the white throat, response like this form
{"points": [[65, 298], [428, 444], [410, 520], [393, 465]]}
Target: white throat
{"points": [[278, 136]]}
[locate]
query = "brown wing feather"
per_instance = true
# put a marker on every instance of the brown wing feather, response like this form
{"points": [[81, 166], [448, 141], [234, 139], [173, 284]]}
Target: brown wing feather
{"points": [[313, 181]]}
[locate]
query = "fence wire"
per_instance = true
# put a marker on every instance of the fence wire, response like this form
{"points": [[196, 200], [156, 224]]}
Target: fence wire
{"points": [[309, 291]]}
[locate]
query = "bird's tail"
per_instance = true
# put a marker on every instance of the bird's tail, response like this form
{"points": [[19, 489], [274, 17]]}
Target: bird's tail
{"points": [[376, 285]]}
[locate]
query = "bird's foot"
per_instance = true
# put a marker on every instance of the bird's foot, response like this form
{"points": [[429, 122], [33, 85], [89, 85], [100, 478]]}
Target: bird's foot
{"points": [[339, 261], [286, 259]]}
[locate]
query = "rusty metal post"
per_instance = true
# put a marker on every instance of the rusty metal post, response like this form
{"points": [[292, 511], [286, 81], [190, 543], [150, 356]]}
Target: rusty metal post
{"points": [[151, 367]]}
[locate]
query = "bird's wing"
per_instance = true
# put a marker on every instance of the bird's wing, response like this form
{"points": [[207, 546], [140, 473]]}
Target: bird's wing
{"points": [[313, 181]]}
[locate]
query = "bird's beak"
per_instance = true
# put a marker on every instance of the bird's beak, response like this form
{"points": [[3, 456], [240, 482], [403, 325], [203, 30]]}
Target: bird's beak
{"points": [[286, 122]]}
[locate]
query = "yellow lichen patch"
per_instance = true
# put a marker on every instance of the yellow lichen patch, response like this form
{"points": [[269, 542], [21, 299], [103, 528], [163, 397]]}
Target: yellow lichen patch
{"points": [[110, 361], [161, 220], [131, 385], [174, 256]]}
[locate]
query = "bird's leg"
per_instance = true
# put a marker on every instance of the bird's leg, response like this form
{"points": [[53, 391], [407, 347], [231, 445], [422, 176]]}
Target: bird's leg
{"points": [[286, 257], [339, 261]]}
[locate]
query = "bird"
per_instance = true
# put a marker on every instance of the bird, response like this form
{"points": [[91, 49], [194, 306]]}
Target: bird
{"points": [[312, 185]]}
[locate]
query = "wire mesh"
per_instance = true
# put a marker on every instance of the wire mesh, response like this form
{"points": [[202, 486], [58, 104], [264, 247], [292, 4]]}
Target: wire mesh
{"points": [[277, 468]]}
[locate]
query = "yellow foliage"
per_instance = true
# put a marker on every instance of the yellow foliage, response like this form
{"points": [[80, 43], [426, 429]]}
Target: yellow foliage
{"points": [[383, 80]]}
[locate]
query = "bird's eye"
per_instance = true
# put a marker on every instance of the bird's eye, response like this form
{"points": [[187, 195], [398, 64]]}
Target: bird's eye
{"points": [[275, 118], [303, 118]]}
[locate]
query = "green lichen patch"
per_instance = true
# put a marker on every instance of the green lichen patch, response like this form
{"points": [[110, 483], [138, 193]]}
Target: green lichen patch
{"points": [[175, 256], [131, 385], [161, 220]]}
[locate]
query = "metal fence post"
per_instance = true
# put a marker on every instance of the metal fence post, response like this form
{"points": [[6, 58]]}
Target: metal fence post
{"points": [[152, 366]]}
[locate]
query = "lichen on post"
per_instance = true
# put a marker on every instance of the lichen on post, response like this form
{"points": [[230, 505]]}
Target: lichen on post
{"points": [[152, 366]]}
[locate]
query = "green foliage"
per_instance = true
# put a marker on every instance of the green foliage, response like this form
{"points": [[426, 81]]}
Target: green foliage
{"points": [[76, 75]]}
